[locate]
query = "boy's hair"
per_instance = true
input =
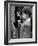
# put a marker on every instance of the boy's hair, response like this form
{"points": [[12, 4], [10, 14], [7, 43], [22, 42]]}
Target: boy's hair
{"points": [[27, 10]]}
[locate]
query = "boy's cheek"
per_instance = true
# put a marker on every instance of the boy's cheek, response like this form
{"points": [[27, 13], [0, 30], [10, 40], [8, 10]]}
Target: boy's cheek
{"points": [[24, 17]]}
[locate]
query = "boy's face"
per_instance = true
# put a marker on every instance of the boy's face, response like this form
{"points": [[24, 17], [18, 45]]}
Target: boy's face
{"points": [[24, 16]]}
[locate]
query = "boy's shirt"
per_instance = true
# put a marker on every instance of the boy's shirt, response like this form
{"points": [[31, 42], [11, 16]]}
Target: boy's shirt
{"points": [[26, 28], [26, 22]]}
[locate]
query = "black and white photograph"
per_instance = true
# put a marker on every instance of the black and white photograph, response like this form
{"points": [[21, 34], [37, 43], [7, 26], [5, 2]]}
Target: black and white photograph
{"points": [[20, 20]]}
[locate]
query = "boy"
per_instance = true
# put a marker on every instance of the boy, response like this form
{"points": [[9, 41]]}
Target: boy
{"points": [[26, 23]]}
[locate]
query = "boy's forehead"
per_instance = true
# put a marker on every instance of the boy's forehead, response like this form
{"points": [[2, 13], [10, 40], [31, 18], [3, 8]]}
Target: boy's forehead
{"points": [[24, 14]]}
